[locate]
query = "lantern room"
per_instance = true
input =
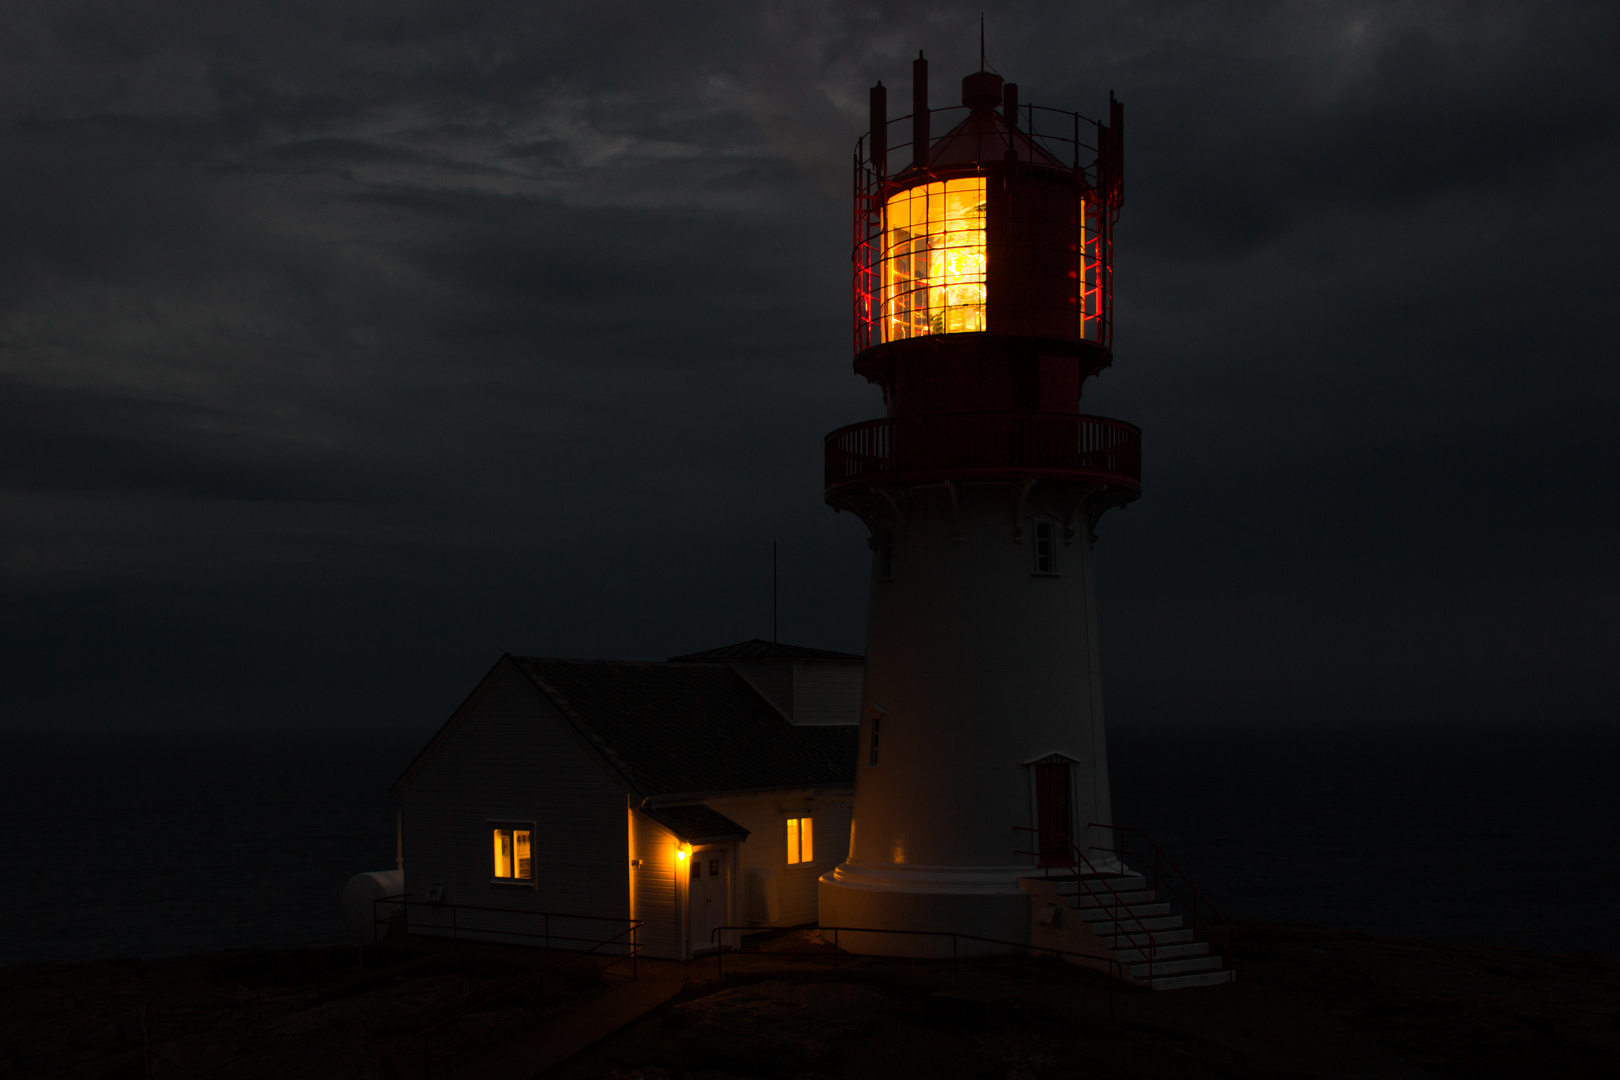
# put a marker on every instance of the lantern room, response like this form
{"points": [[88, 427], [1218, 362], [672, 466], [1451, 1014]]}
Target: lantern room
{"points": [[983, 265]]}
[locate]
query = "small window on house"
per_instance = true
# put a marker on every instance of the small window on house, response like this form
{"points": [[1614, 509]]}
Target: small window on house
{"points": [[513, 859], [800, 841], [885, 559], [1045, 556]]}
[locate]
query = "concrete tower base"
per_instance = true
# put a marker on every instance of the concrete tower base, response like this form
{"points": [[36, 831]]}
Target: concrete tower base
{"points": [[875, 897]]}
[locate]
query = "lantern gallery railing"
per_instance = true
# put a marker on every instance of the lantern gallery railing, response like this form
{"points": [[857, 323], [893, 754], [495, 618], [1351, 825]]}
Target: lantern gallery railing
{"points": [[904, 450]]}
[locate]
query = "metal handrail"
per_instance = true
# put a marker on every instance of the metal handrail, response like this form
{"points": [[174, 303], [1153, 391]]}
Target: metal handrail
{"points": [[1152, 951], [1116, 967], [1158, 855], [405, 903]]}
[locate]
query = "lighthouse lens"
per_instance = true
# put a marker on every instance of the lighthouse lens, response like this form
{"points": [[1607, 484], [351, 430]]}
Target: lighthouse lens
{"points": [[934, 259]]}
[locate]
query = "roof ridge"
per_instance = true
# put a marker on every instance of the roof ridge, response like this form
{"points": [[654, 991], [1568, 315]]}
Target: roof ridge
{"points": [[760, 649], [688, 727], [591, 660], [583, 726]]}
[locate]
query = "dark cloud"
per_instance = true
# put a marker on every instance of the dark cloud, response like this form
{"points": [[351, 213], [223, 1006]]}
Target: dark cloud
{"points": [[59, 440], [351, 345]]}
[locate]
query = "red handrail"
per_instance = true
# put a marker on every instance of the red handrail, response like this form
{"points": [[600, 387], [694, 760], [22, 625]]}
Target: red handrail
{"points": [[1054, 133]]}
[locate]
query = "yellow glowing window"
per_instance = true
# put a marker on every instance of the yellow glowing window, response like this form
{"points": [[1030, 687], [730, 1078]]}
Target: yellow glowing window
{"points": [[512, 854], [800, 841], [934, 260]]}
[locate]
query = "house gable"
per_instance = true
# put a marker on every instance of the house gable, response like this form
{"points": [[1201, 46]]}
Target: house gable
{"points": [[507, 757]]}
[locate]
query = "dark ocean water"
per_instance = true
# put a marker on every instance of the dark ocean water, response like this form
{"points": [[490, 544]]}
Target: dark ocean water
{"points": [[157, 845], [128, 845], [1504, 835]]}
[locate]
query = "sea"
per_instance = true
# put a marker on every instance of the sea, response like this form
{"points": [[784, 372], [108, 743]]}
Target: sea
{"points": [[143, 845]]}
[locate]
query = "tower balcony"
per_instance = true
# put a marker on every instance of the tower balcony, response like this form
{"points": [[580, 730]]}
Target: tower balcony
{"points": [[988, 446]]}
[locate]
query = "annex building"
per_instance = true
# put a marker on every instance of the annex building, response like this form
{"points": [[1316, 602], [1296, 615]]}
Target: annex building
{"points": [[706, 791]]}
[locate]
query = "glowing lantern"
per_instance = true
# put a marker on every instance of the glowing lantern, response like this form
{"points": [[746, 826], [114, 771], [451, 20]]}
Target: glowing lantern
{"points": [[998, 229], [934, 259]]}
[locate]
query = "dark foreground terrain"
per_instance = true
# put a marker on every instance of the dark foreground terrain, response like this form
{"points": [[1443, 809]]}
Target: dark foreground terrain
{"points": [[1307, 1003]]}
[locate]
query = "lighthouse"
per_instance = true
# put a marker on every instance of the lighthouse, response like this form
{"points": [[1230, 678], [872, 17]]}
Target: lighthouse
{"points": [[982, 287]]}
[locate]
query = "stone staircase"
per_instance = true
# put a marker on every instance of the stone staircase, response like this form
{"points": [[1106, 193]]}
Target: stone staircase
{"points": [[1119, 916]]}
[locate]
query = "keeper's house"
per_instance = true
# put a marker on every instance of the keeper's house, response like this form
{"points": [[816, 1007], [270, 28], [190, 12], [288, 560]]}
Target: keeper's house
{"points": [[710, 790]]}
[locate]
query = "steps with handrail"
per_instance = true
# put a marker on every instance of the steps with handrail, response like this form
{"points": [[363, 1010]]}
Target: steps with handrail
{"points": [[1114, 908]]}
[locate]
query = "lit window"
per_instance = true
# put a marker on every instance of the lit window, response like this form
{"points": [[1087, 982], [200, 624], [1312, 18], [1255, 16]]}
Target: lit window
{"points": [[934, 260], [800, 842], [1045, 556], [512, 854]]}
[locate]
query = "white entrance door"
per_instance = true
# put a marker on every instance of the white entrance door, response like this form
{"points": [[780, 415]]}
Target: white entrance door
{"points": [[709, 897]]}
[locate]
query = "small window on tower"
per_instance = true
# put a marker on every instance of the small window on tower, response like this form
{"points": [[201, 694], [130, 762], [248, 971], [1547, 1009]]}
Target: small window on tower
{"points": [[800, 841], [875, 735], [1045, 556], [885, 559], [513, 858]]}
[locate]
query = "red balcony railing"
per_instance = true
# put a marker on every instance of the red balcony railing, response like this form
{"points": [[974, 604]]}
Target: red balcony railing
{"points": [[985, 447]]}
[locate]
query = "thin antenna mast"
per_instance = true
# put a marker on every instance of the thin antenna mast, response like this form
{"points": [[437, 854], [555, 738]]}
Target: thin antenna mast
{"points": [[981, 41], [775, 606]]}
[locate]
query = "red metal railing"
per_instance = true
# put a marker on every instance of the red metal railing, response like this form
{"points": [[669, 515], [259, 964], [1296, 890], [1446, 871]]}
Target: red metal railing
{"points": [[984, 446], [1052, 137]]}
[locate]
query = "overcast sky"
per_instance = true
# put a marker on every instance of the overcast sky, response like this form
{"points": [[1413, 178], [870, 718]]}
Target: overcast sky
{"points": [[345, 346]]}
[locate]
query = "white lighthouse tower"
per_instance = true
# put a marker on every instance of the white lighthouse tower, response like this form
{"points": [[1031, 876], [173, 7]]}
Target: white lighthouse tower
{"points": [[982, 283]]}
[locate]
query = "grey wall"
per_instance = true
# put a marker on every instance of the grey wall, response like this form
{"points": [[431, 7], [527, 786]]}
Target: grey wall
{"points": [[511, 757]]}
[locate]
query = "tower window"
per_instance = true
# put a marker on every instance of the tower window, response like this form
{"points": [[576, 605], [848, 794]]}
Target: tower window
{"points": [[513, 859], [1045, 555], [800, 841], [885, 560], [876, 736]]}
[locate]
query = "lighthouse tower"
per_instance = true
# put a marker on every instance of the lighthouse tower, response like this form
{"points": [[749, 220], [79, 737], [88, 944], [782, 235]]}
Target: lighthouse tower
{"points": [[982, 289]]}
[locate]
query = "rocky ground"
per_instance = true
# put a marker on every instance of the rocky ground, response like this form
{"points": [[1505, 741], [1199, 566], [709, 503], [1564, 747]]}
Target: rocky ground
{"points": [[1307, 1003]]}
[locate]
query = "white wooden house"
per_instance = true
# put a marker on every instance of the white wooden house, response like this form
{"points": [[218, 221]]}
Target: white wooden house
{"points": [[710, 790]]}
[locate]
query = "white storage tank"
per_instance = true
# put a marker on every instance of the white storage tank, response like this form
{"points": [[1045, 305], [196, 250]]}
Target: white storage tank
{"points": [[361, 910]]}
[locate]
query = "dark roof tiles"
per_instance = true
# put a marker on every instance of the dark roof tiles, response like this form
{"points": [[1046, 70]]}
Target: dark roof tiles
{"points": [[690, 728], [696, 824]]}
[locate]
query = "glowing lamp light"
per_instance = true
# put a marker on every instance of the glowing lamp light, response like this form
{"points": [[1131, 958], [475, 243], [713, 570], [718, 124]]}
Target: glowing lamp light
{"points": [[683, 852], [934, 259]]}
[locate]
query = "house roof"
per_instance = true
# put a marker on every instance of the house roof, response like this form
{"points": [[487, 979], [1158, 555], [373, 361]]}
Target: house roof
{"points": [[696, 824], [691, 728], [765, 650]]}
